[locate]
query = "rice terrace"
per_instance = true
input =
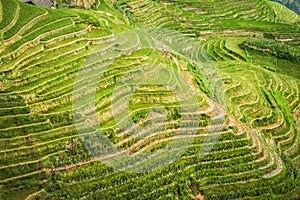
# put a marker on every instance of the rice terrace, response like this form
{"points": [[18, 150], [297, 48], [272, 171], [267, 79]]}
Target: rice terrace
{"points": [[149, 99]]}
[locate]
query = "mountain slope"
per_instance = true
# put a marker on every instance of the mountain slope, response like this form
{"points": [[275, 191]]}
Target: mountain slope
{"points": [[252, 140], [291, 4]]}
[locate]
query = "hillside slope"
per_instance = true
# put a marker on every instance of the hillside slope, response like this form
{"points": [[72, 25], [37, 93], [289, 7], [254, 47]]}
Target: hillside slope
{"points": [[291, 4], [247, 148]]}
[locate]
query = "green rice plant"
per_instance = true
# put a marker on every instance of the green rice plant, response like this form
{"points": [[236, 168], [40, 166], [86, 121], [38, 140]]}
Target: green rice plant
{"points": [[27, 13], [9, 9]]}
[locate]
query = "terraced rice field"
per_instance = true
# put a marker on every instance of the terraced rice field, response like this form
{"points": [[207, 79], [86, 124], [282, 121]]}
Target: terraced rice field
{"points": [[242, 127]]}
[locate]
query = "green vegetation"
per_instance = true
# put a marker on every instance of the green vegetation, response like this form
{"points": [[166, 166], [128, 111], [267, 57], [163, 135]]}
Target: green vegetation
{"points": [[27, 13], [273, 47], [9, 9], [292, 4], [284, 14], [253, 153]]}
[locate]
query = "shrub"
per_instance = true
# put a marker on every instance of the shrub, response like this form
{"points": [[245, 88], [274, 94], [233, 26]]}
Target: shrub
{"points": [[272, 47]]}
